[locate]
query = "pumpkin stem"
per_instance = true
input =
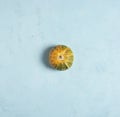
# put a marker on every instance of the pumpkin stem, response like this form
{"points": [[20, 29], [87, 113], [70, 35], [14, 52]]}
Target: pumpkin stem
{"points": [[61, 57]]}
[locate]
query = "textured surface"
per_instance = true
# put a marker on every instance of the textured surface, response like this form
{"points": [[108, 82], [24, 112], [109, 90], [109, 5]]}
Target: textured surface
{"points": [[30, 88], [61, 57]]}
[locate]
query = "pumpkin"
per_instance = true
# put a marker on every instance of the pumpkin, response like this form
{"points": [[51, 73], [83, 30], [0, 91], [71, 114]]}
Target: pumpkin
{"points": [[61, 57]]}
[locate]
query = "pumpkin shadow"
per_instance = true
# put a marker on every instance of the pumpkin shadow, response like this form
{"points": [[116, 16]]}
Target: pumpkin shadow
{"points": [[45, 57]]}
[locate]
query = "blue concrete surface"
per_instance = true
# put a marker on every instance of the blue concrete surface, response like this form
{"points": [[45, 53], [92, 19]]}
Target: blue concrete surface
{"points": [[30, 88]]}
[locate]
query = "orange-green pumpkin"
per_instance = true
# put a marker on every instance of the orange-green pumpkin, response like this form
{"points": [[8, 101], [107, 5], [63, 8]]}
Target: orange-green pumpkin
{"points": [[61, 57]]}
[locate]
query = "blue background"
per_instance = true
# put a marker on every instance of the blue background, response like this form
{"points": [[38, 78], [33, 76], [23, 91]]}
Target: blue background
{"points": [[30, 88]]}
